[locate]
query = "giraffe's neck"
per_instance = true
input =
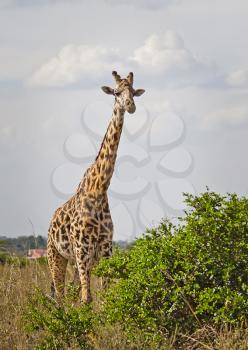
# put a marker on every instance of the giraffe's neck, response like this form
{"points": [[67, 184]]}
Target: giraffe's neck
{"points": [[98, 176]]}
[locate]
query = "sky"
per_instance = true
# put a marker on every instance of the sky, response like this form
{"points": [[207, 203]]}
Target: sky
{"points": [[190, 127]]}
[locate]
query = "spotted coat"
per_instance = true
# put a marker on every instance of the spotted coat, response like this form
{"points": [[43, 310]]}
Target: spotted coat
{"points": [[81, 230]]}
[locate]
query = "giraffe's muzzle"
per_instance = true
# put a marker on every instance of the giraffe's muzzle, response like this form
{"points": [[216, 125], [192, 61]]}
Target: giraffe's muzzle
{"points": [[130, 107]]}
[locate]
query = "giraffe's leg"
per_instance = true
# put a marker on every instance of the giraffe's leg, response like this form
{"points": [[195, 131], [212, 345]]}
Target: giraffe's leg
{"points": [[84, 271], [74, 285], [86, 296], [57, 265], [105, 251], [76, 279], [83, 253]]}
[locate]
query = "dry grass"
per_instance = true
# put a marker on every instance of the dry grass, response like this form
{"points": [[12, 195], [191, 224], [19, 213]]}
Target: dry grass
{"points": [[226, 338], [113, 338], [16, 285]]}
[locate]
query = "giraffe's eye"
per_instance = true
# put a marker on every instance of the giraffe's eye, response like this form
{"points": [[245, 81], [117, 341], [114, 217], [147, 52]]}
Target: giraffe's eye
{"points": [[117, 93]]}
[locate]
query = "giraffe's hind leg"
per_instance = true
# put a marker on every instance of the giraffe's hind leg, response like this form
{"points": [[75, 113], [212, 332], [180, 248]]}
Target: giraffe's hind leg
{"points": [[57, 265], [74, 285]]}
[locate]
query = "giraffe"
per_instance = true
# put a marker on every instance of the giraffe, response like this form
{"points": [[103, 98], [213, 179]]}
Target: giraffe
{"points": [[81, 230]]}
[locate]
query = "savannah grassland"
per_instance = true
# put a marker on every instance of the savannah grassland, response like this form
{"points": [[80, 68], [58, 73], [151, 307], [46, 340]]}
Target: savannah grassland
{"points": [[179, 287], [18, 284]]}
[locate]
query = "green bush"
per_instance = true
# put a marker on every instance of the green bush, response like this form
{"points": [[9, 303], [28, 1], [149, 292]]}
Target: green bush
{"points": [[18, 261], [3, 252], [62, 326], [3, 258], [173, 280], [181, 277]]}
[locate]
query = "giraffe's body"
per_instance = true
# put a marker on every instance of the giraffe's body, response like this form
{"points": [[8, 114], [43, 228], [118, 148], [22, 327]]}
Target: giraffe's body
{"points": [[82, 229]]}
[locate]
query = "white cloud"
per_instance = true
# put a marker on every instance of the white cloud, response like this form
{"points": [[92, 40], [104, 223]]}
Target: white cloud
{"points": [[159, 52], [163, 59], [167, 54], [238, 78], [234, 116], [74, 64]]}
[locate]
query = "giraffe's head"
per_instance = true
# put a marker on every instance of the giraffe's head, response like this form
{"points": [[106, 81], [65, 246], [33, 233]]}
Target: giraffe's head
{"points": [[124, 92]]}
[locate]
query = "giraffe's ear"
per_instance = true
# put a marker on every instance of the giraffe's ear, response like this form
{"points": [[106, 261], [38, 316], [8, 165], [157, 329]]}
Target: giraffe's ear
{"points": [[108, 90], [138, 92]]}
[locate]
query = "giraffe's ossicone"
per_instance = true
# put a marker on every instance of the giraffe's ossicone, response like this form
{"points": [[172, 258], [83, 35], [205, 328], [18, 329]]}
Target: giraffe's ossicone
{"points": [[81, 230]]}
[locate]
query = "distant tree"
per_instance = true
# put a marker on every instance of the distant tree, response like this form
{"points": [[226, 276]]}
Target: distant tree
{"points": [[3, 251], [21, 244]]}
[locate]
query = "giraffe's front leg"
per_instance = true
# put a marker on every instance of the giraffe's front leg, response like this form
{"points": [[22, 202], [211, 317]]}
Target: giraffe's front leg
{"points": [[105, 249], [84, 270], [84, 265]]}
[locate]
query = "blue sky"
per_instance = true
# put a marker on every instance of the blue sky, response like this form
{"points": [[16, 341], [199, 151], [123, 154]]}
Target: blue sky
{"points": [[190, 129]]}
